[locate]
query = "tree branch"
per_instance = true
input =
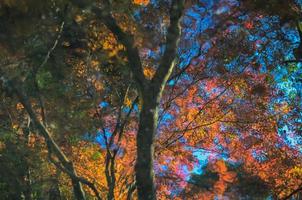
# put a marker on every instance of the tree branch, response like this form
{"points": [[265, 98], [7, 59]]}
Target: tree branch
{"points": [[75, 177], [292, 61], [126, 39], [36, 69], [292, 193], [10, 85], [167, 62], [64, 163]]}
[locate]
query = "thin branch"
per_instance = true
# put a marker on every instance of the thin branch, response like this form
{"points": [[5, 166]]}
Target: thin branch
{"points": [[36, 69], [292, 61], [10, 85], [173, 97], [196, 115], [194, 128], [46, 58], [292, 193]]}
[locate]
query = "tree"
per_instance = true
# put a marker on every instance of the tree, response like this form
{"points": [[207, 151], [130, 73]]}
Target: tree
{"points": [[149, 100], [183, 92]]}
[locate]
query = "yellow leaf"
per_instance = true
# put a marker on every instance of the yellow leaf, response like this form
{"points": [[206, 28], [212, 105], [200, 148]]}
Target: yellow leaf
{"points": [[127, 102], [19, 106], [15, 126], [149, 72], [95, 63], [78, 18]]}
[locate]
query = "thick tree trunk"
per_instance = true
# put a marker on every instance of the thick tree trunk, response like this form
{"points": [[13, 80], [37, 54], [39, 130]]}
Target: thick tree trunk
{"points": [[145, 147]]}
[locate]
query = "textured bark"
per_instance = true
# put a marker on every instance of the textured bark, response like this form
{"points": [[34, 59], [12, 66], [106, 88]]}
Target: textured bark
{"points": [[78, 191], [145, 147], [110, 175]]}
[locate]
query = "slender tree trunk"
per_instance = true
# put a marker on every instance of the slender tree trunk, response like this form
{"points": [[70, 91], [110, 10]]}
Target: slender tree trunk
{"points": [[110, 195], [112, 185], [55, 193], [131, 191], [145, 147], [110, 175], [28, 190], [78, 191]]}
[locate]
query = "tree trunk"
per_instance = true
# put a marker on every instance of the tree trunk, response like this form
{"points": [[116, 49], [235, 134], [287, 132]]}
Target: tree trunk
{"points": [[110, 195], [110, 175], [131, 191], [28, 190], [55, 193], [145, 147], [78, 191]]}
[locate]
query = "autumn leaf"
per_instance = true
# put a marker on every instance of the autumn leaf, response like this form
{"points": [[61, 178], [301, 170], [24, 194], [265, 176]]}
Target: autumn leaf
{"points": [[141, 2], [149, 72]]}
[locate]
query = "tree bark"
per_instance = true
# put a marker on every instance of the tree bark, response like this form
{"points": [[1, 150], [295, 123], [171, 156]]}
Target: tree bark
{"points": [[110, 175], [55, 193], [78, 191], [145, 145]]}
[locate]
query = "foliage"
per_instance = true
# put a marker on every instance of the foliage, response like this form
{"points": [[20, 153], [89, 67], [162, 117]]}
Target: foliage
{"points": [[91, 71]]}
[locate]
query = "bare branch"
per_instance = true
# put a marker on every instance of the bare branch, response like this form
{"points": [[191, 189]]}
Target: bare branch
{"points": [[36, 69], [46, 58]]}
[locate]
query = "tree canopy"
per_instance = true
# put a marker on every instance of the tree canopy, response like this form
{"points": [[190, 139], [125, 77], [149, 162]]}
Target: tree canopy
{"points": [[139, 99]]}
